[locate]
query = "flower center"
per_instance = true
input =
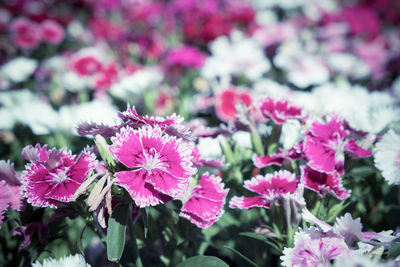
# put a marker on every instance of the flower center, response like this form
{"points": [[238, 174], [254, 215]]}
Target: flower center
{"points": [[60, 175], [152, 160]]}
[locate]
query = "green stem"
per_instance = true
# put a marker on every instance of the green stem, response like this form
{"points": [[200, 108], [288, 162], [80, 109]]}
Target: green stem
{"points": [[132, 233], [257, 143]]}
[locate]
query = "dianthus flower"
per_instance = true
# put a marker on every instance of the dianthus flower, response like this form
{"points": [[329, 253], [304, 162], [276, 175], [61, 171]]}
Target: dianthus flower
{"points": [[270, 187], [51, 32], [323, 183], [326, 143], [314, 249], [54, 175], [387, 157], [279, 110], [204, 207], [26, 33], [160, 165]]}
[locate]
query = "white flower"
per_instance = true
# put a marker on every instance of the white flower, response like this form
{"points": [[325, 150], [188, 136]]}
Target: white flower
{"points": [[369, 112], [291, 134], [387, 157], [19, 69], [348, 64], [349, 228], [242, 139], [235, 56], [137, 82], [302, 69], [67, 261], [357, 259], [24, 107], [97, 111], [209, 148], [73, 82]]}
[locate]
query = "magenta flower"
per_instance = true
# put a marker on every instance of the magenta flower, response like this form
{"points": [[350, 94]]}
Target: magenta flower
{"points": [[26, 33], [279, 110], [186, 56], [325, 145], [10, 197], [54, 175], [270, 187], [52, 32], [205, 204], [313, 249], [279, 157], [323, 182], [86, 65], [160, 165]]}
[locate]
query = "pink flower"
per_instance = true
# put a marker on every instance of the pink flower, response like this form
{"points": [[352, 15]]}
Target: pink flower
{"points": [[325, 145], [52, 32], [227, 100], [205, 204], [86, 65], [10, 197], [54, 175], [312, 249], [279, 157], [323, 182], [160, 165], [26, 33], [186, 56], [279, 110], [270, 187]]}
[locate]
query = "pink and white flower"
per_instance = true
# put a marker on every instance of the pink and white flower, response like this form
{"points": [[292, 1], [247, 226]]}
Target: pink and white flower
{"points": [[86, 64], [160, 165], [54, 175], [51, 32], [26, 33], [204, 207], [279, 110], [279, 157], [312, 249], [387, 157], [323, 182], [10, 198], [326, 143], [227, 100], [269, 187]]}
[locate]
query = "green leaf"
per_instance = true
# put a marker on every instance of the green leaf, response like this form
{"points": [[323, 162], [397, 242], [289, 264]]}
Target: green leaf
{"points": [[201, 261], [394, 250], [247, 260], [335, 210], [257, 143], [116, 231], [268, 240]]}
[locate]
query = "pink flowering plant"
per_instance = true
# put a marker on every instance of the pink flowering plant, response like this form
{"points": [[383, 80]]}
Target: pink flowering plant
{"points": [[199, 133]]}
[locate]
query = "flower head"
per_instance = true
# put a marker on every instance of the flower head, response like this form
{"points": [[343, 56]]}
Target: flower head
{"points": [[205, 204], [387, 157], [67, 261], [54, 175], [279, 111], [326, 143], [323, 182], [160, 165], [51, 32], [186, 56], [26, 33], [270, 187], [314, 250]]}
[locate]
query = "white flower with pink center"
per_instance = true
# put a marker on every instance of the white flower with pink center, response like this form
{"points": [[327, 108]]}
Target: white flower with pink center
{"points": [[159, 165], [311, 250], [269, 187], [326, 143], [204, 207], [54, 175], [387, 157]]}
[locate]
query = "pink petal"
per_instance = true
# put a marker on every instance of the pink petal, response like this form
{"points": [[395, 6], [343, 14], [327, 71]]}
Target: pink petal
{"points": [[248, 202], [36, 153], [263, 161], [320, 156], [211, 187], [198, 220], [352, 147], [141, 192], [127, 147], [83, 166], [166, 183], [203, 208]]}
